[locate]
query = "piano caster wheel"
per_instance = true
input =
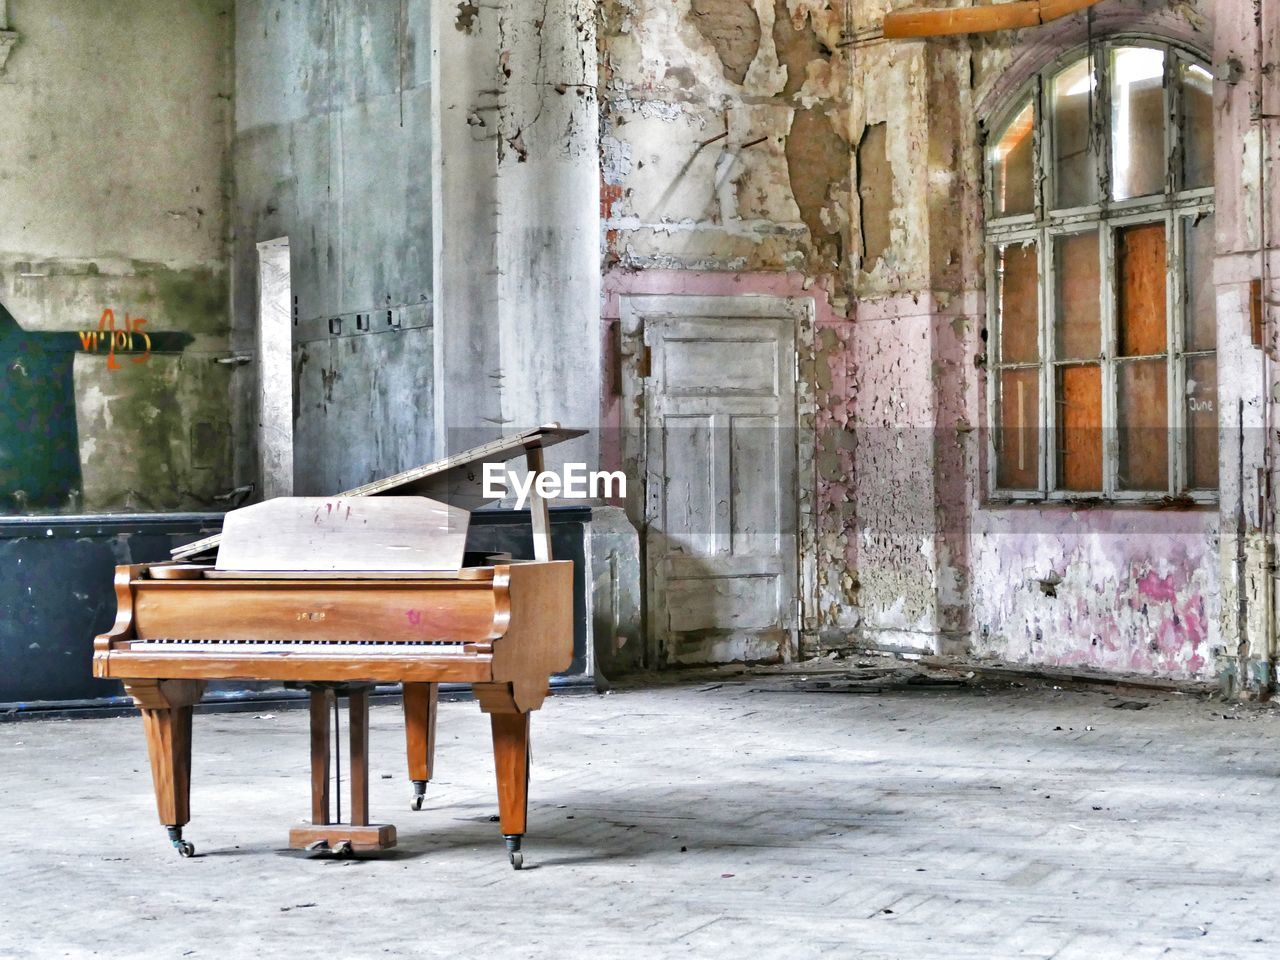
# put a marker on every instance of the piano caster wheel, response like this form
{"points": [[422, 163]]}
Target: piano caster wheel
{"points": [[185, 848], [419, 794], [317, 846], [513, 851], [343, 849]]}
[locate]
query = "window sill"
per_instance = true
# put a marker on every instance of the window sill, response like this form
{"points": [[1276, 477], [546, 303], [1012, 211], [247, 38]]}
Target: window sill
{"points": [[1160, 505]]}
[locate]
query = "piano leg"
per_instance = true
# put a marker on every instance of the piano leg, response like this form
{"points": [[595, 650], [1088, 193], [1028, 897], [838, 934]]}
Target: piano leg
{"points": [[166, 717], [321, 707], [420, 735], [511, 761]]}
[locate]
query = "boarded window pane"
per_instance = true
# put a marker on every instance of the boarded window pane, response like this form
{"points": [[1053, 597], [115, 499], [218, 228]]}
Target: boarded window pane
{"points": [[1079, 402], [1202, 423], [1076, 292], [1197, 126], [1202, 309], [1137, 122], [1143, 427], [1012, 166], [1141, 311], [1075, 169], [1018, 441], [1019, 281]]}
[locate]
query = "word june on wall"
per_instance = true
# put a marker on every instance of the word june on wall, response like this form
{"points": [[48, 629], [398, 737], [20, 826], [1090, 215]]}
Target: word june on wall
{"points": [[129, 340]]}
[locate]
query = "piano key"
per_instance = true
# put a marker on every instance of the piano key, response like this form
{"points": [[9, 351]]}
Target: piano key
{"points": [[310, 648]]}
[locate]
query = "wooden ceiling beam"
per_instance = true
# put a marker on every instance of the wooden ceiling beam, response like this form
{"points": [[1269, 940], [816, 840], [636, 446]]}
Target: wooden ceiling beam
{"points": [[907, 24]]}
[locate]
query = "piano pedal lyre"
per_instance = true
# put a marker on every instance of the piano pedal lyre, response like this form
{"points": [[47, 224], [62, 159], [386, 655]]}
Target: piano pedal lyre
{"points": [[324, 836]]}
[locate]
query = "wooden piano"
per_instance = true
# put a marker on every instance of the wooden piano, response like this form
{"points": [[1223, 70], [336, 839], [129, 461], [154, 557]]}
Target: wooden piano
{"points": [[504, 628]]}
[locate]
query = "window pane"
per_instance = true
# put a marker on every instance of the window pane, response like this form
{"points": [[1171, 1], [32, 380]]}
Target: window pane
{"points": [[1202, 423], [1018, 440], [1079, 400], [1197, 126], [1076, 292], [1137, 122], [1013, 167], [1143, 424], [1141, 312], [1019, 280], [1075, 168], [1202, 307]]}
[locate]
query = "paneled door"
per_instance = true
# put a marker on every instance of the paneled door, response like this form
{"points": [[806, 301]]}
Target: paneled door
{"points": [[720, 478]]}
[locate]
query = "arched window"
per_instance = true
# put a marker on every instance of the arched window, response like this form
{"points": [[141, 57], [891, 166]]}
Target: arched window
{"points": [[1103, 374]]}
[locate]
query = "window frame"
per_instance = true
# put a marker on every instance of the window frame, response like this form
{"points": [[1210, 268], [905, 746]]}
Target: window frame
{"points": [[1173, 207]]}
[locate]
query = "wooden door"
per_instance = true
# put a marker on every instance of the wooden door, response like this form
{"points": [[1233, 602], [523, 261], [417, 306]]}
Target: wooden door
{"points": [[720, 482]]}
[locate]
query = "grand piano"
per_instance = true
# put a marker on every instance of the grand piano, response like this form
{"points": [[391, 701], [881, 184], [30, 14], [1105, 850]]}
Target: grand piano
{"points": [[504, 626]]}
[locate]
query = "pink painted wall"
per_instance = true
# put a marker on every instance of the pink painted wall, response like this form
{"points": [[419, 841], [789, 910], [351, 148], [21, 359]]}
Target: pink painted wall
{"points": [[1138, 590]]}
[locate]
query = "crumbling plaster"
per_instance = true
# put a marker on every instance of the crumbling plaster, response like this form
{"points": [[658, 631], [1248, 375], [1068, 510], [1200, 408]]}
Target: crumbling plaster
{"points": [[701, 177]]}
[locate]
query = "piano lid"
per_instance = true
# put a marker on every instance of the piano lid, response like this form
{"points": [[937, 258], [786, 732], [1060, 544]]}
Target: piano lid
{"points": [[457, 480]]}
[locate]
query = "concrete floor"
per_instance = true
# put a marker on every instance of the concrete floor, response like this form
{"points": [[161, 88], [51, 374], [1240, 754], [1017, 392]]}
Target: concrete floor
{"points": [[679, 821]]}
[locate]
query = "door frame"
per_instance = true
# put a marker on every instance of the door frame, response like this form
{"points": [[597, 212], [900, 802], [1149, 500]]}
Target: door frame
{"points": [[635, 310]]}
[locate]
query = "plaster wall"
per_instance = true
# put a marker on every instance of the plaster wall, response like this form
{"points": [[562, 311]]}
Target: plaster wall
{"points": [[332, 149], [1247, 45], [114, 149], [713, 166], [518, 276]]}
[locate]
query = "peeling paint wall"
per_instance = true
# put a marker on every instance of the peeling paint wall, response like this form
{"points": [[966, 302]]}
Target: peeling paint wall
{"points": [[1118, 589], [114, 152], [763, 141], [1247, 224]]}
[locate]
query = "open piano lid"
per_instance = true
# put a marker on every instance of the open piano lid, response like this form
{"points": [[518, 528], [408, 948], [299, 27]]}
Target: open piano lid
{"points": [[457, 480]]}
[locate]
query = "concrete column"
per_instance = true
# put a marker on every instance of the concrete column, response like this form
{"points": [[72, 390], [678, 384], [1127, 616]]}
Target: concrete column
{"points": [[914, 460], [1245, 276], [465, 242], [519, 243]]}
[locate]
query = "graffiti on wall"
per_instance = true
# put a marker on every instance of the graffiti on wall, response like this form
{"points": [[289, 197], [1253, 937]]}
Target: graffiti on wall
{"points": [[131, 339], [39, 441]]}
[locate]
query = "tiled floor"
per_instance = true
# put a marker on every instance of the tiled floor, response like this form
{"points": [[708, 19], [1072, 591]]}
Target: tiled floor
{"points": [[738, 821]]}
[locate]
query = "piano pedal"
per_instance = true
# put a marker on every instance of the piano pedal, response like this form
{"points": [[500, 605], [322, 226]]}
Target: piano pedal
{"points": [[342, 839], [419, 794], [321, 848], [513, 851], [185, 848]]}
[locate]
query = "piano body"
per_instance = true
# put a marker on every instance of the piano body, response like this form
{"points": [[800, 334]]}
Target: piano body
{"points": [[504, 628]]}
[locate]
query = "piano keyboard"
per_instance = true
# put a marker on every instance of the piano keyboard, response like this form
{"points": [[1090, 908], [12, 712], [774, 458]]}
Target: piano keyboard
{"points": [[364, 648]]}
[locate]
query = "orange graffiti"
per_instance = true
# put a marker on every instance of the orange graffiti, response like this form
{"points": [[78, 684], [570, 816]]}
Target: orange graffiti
{"points": [[107, 335]]}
